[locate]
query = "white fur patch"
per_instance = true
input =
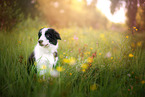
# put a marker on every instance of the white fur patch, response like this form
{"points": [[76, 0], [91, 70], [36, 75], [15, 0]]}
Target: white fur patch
{"points": [[44, 57]]}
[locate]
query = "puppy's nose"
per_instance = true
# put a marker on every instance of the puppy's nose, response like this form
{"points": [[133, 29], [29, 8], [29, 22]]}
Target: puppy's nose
{"points": [[40, 41]]}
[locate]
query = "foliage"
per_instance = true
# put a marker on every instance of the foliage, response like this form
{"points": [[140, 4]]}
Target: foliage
{"points": [[14, 11], [92, 63], [131, 12], [134, 8], [56, 12], [71, 13], [141, 17]]}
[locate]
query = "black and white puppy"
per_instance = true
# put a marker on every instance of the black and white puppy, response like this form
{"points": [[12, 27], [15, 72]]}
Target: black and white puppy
{"points": [[45, 52]]}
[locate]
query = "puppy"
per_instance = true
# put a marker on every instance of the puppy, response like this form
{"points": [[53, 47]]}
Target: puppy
{"points": [[44, 55]]}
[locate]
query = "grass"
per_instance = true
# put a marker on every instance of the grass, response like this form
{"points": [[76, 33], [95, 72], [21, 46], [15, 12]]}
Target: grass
{"points": [[93, 63]]}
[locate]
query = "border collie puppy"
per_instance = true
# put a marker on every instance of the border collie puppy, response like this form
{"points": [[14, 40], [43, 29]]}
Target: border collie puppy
{"points": [[45, 52]]}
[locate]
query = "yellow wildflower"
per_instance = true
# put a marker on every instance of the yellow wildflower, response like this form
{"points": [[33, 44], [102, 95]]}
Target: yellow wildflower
{"points": [[66, 61], [111, 57], [90, 28], [83, 70], [43, 67], [102, 35], [70, 73], [136, 29], [19, 42], [143, 82], [72, 61], [99, 53], [87, 53], [72, 38], [60, 69], [139, 43], [131, 55], [90, 60], [126, 36], [91, 48], [93, 87], [84, 66], [112, 41]]}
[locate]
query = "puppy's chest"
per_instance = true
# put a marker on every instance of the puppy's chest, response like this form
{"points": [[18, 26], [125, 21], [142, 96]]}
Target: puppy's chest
{"points": [[45, 58]]}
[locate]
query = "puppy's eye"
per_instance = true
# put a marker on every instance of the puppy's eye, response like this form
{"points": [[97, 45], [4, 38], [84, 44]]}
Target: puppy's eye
{"points": [[47, 35]]}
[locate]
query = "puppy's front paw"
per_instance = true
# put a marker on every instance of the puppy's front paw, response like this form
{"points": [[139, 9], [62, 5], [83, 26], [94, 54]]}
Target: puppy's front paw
{"points": [[54, 73]]}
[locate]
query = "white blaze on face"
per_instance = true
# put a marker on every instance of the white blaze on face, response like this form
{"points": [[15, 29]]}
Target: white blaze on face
{"points": [[43, 38]]}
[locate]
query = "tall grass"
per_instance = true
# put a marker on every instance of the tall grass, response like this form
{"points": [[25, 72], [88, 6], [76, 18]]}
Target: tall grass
{"points": [[94, 63]]}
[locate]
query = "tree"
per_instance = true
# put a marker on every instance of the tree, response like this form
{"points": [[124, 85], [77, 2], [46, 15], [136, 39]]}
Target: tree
{"points": [[13, 11], [141, 15], [132, 9]]}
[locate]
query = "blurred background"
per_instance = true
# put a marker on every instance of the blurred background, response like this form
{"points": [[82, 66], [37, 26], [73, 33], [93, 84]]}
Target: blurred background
{"points": [[99, 14], [101, 53]]}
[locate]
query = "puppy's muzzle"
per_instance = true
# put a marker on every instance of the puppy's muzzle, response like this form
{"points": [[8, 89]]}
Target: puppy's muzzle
{"points": [[40, 42]]}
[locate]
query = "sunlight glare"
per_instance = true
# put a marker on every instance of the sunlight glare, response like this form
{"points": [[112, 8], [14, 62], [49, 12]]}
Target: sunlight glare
{"points": [[117, 17], [79, 0], [89, 1]]}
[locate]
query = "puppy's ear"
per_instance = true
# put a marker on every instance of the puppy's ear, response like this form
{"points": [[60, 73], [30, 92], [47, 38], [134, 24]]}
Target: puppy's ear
{"points": [[57, 35], [39, 33]]}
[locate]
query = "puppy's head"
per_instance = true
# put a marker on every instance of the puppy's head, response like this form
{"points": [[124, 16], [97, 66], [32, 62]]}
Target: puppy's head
{"points": [[48, 37]]}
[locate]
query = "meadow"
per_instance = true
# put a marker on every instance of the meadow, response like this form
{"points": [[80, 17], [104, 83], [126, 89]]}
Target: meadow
{"points": [[92, 63]]}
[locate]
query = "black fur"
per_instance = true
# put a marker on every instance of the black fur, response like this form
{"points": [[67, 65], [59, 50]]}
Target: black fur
{"points": [[30, 63], [31, 58], [55, 54], [52, 36], [39, 33]]}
